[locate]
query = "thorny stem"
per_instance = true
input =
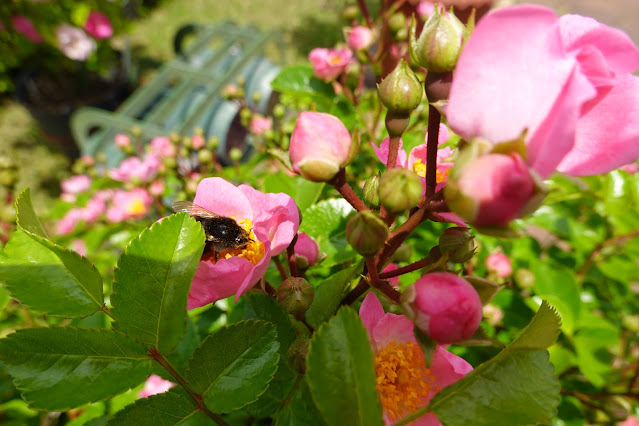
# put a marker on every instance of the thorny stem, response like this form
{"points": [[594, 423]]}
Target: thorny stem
{"points": [[280, 267], [406, 269], [106, 310], [398, 236], [290, 254], [393, 149], [382, 286], [365, 13], [434, 118], [339, 182], [199, 400]]}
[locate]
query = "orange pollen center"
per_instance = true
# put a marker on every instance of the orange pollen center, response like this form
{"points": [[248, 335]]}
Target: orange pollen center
{"points": [[420, 169], [136, 207], [335, 60], [403, 380], [254, 250]]}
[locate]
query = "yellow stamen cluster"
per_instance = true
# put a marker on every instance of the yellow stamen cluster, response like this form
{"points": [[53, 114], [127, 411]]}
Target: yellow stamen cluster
{"points": [[136, 207], [420, 169], [403, 380], [254, 250]]}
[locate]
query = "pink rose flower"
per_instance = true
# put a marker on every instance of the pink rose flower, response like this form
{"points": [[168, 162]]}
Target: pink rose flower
{"points": [[155, 385], [76, 184], [79, 246], [134, 204], [74, 42], [425, 9], [359, 37], [134, 168], [156, 188], [320, 145], [162, 147], [630, 421], [499, 264], [404, 382], [259, 125], [197, 142], [70, 220], [95, 208], [306, 250], [24, 26], [444, 306], [98, 25], [328, 64], [273, 221], [122, 140], [567, 81]]}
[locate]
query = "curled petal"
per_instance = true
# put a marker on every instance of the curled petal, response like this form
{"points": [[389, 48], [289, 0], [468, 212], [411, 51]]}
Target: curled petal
{"points": [[223, 198]]}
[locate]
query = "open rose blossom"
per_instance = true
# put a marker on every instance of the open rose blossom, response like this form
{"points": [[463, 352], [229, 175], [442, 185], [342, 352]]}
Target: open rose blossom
{"points": [[272, 219], [404, 382], [98, 25], [74, 42], [444, 306], [359, 37], [155, 385], [135, 169], [328, 64], [566, 81], [24, 26]]}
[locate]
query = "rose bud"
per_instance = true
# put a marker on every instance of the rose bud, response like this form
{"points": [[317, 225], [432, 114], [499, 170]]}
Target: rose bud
{"points": [[492, 190], [295, 295], [371, 190], [401, 91], [444, 306], [296, 354], [458, 243], [306, 251], [366, 232], [400, 189], [320, 146], [440, 42], [499, 264], [359, 37]]}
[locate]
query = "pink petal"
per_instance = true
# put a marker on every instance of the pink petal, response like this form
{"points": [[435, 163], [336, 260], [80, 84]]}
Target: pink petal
{"points": [[393, 327], [256, 273], [608, 132], [216, 281], [382, 152], [276, 218], [447, 367], [450, 217], [371, 311], [223, 198]]}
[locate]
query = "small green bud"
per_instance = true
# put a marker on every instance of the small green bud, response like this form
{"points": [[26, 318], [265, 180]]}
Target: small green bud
{"points": [[400, 189], [296, 354], [241, 81], [295, 295], [187, 143], [397, 22], [184, 152], [279, 110], [366, 232], [204, 156], [100, 157], [245, 114], [401, 91], [136, 131], [174, 137], [235, 154], [524, 278], [257, 97], [169, 162], [371, 190], [459, 244], [440, 42], [403, 253], [401, 35], [350, 12], [213, 143]]}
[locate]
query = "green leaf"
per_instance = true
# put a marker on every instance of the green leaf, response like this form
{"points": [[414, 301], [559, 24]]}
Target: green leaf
{"points": [[62, 368], [326, 222], [341, 372], [234, 365], [592, 344], [300, 411], [259, 306], [152, 281], [26, 216], [329, 294], [517, 387], [557, 284], [166, 409], [304, 192], [299, 80], [50, 278]]}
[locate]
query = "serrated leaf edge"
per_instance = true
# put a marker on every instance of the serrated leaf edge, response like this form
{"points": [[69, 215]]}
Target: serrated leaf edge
{"points": [[26, 192]]}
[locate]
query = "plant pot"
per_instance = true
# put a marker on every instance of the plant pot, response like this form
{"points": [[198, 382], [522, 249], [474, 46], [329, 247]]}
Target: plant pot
{"points": [[51, 99]]}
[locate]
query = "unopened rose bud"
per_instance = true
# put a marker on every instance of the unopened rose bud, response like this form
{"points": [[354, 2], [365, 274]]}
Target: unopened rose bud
{"points": [[350, 12], [169, 162], [241, 81], [491, 190], [371, 190], [440, 42], [458, 243], [306, 251], [257, 97], [235, 154], [524, 278], [444, 306], [279, 110], [401, 91], [122, 140], [136, 131], [499, 264], [213, 143], [204, 156], [359, 37], [366, 232], [296, 354], [295, 295], [400, 189], [397, 22], [320, 146]]}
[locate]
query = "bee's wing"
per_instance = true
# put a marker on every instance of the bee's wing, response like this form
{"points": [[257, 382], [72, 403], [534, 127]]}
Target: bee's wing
{"points": [[193, 209]]}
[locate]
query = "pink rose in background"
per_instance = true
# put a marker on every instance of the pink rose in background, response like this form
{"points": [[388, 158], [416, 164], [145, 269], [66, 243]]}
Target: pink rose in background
{"points": [[499, 264], [444, 306], [273, 220], [567, 81], [70, 220], [197, 141], [328, 64], [122, 140], [76, 184], [359, 37], [404, 382], [260, 125], [155, 385], [135, 169], [74, 42], [631, 168], [320, 145], [134, 204], [98, 25], [24, 26], [156, 188], [306, 250], [162, 147], [425, 9]]}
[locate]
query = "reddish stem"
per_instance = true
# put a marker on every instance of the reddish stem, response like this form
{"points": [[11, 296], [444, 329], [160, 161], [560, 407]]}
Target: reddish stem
{"points": [[280, 268], [393, 149], [365, 13], [408, 268], [290, 255], [434, 118], [339, 182]]}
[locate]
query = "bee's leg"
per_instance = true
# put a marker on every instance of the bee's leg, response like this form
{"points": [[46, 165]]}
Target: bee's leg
{"points": [[215, 255]]}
